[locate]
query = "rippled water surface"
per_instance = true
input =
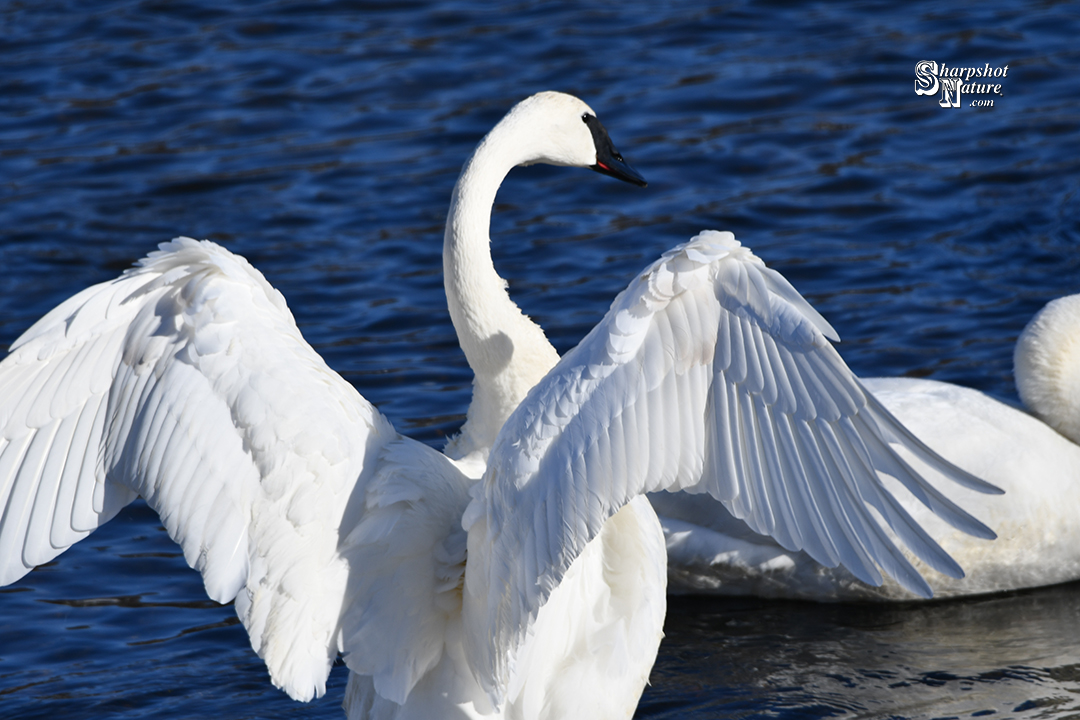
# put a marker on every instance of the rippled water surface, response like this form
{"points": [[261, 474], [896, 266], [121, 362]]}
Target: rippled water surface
{"points": [[321, 141]]}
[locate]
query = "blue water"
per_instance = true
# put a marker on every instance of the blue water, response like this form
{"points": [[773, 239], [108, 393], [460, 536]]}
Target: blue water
{"points": [[321, 141]]}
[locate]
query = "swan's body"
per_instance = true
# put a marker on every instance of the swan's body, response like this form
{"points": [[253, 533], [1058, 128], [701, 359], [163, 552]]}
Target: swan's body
{"points": [[1034, 459], [537, 591]]}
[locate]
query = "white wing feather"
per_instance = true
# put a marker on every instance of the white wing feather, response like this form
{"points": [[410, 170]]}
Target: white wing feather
{"points": [[409, 551], [710, 373], [186, 381]]}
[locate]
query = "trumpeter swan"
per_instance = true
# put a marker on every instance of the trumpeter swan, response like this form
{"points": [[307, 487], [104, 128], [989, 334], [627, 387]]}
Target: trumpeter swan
{"points": [[535, 591], [1036, 462]]}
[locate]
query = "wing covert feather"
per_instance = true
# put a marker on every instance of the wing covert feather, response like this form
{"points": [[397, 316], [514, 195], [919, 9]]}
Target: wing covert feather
{"points": [[709, 373]]}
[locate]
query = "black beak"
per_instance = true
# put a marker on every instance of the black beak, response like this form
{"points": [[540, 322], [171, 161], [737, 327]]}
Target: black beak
{"points": [[608, 159]]}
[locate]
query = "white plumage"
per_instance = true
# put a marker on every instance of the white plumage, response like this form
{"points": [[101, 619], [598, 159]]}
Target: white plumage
{"points": [[181, 382], [1034, 458], [534, 591]]}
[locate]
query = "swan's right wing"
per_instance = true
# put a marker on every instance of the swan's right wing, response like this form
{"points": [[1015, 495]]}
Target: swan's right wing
{"points": [[186, 381], [710, 373]]}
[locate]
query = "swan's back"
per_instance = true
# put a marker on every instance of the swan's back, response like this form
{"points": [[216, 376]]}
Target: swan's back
{"points": [[1039, 470]]}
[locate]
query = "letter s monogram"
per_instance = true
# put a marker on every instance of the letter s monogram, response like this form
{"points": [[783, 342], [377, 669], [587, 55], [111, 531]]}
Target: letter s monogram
{"points": [[926, 82]]}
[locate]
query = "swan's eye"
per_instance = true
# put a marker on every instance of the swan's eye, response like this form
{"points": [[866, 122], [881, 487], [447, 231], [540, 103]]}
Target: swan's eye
{"points": [[585, 118]]}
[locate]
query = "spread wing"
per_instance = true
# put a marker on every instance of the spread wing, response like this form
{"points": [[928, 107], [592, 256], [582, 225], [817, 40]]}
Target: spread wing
{"points": [[186, 381], [710, 373]]}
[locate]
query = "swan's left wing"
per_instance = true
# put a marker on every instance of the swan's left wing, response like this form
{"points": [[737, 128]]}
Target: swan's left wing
{"points": [[710, 373]]}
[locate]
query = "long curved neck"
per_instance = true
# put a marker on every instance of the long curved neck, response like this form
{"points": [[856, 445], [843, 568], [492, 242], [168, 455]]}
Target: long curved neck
{"points": [[507, 352]]}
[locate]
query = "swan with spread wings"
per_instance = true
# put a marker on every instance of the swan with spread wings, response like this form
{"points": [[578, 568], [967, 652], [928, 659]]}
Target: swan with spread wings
{"points": [[522, 573]]}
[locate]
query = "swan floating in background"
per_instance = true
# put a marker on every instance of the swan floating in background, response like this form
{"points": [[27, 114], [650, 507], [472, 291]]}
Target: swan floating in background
{"points": [[523, 573], [1036, 462]]}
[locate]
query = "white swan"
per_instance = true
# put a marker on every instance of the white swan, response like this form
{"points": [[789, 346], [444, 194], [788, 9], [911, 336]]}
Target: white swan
{"points": [[1036, 462], [537, 591]]}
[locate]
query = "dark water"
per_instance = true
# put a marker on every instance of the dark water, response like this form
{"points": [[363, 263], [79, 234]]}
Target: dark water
{"points": [[321, 140]]}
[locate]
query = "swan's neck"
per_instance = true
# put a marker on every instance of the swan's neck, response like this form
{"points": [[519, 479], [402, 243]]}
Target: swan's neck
{"points": [[1047, 365], [507, 351]]}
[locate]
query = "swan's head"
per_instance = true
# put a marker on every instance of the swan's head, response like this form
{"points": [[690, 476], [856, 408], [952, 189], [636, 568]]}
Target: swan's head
{"points": [[1046, 365], [559, 129]]}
